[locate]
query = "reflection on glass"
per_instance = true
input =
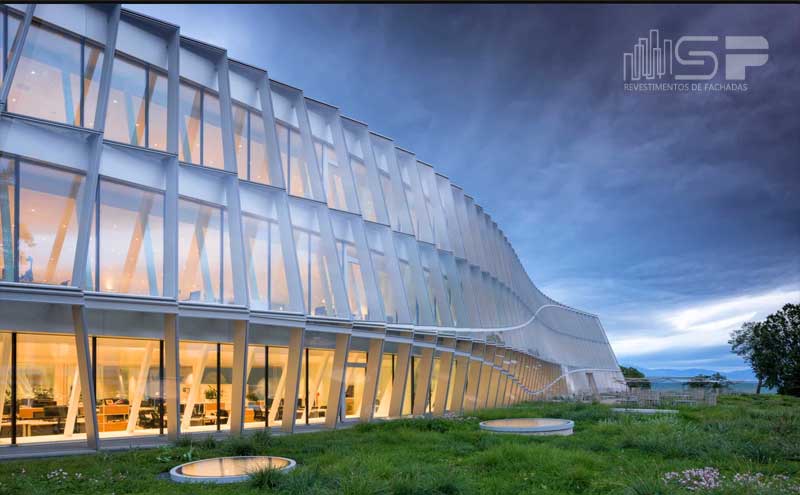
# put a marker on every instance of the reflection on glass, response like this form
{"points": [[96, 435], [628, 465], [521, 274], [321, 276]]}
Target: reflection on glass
{"points": [[384, 395], [278, 359], [452, 386], [49, 404], [255, 408], [259, 160], [380, 264], [125, 121], [92, 70], [350, 266], [5, 388], [199, 388], [7, 227], [48, 224], [312, 404], [128, 387], [212, 132], [203, 254], [365, 194], [191, 115], [266, 273], [411, 385], [314, 264], [434, 383], [47, 83], [354, 381], [7, 36], [240, 139], [131, 237], [295, 169], [157, 110]]}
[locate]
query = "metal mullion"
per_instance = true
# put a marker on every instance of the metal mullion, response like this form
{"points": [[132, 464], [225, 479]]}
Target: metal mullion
{"points": [[5, 40], [294, 409], [97, 238], [161, 387], [219, 385], [147, 106], [266, 386], [94, 362], [248, 144], [17, 189], [269, 264], [222, 256], [202, 121], [81, 81], [13, 388]]}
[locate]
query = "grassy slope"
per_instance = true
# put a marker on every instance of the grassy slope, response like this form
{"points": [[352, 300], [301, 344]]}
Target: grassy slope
{"points": [[607, 454]]}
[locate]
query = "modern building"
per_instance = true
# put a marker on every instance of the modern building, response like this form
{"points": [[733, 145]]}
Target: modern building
{"points": [[188, 245]]}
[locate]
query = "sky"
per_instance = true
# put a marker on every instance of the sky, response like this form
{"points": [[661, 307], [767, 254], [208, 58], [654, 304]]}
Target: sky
{"points": [[673, 216]]}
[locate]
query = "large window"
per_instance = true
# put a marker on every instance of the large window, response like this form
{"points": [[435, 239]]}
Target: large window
{"points": [[386, 275], [295, 167], [57, 78], [391, 185], [128, 386], [250, 141], [200, 127], [315, 382], [137, 105], [46, 404], [313, 260], [265, 264], [203, 253], [354, 381], [127, 247], [334, 169], [203, 407], [385, 384], [38, 216], [350, 266]]}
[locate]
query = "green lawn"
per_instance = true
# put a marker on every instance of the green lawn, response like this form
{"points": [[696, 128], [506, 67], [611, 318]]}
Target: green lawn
{"points": [[608, 453]]}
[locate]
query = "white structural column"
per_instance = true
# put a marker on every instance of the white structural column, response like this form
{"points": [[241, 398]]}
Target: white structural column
{"points": [[462, 364], [487, 373], [16, 53], [172, 379], [86, 379], [374, 358], [442, 383], [293, 368], [239, 379], [473, 383], [402, 363], [336, 389], [423, 381]]}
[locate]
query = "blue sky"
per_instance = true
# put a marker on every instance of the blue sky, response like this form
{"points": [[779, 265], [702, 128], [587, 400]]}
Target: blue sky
{"points": [[674, 217]]}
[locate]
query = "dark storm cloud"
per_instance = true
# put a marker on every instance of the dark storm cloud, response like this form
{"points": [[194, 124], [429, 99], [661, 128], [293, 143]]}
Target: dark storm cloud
{"points": [[633, 206]]}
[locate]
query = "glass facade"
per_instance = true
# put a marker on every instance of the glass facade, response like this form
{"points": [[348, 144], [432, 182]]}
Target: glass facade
{"points": [[358, 230]]}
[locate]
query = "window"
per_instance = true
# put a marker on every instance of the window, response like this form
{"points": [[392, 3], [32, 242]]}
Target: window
{"points": [[57, 78], [202, 405], [335, 173], [48, 405], [129, 242], [203, 253], [313, 260], [9, 26], [266, 272], [391, 185], [350, 266], [128, 386], [295, 168], [312, 404], [38, 216], [200, 127], [387, 277], [384, 394], [137, 105], [250, 142], [354, 382]]}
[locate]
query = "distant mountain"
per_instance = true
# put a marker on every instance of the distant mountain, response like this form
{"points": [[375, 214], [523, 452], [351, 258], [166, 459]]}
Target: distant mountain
{"points": [[742, 374]]}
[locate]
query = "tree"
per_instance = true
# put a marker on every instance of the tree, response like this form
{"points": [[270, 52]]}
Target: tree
{"points": [[631, 372], [772, 349], [715, 381]]}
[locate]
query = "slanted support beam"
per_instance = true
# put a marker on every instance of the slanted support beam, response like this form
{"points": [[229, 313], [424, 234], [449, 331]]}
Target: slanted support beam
{"points": [[442, 383], [459, 384], [86, 379], [336, 388], [402, 362], [172, 379], [239, 381], [16, 50], [423, 381], [293, 368], [473, 383], [374, 358]]}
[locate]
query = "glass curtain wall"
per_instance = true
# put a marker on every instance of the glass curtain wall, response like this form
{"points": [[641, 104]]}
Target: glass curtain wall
{"points": [[391, 185], [200, 127], [350, 266], [277, 364], [206, 377], [46, 405], [335, 173], [313, 260], [203, 253], [265, 264], [137, 105], [127, 241], [9, 26], [386, 275], [250, 143], [57, 78], [296, 171], [313, 400], [38, 240], [255, 398], [128, 377], [384, 394], [354, 381]]}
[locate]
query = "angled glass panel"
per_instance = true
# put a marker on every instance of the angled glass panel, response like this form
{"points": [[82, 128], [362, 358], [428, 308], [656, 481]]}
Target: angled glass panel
{"points": [[450, 216], [7, 34], [355, 266], [414, 196], [334, 166], [313, 400], [47, 83], [459, 204], [433, 281], [125, 121], [296, 170], [204, 266], [191, 118], [212, 132], [433, 205], [387, 273], [8, 193], [240, 141], [470, 296], [314, 261], [265, 262], [48, 224], [198, 386], [452, 288], [413, 280], [384, 395], [259, 156], [391, 185], [157, 110], [354, 381], [131, 240], [365, 173]]}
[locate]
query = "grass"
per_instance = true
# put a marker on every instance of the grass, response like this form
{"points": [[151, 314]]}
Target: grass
{"points": [[608, 454]]}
